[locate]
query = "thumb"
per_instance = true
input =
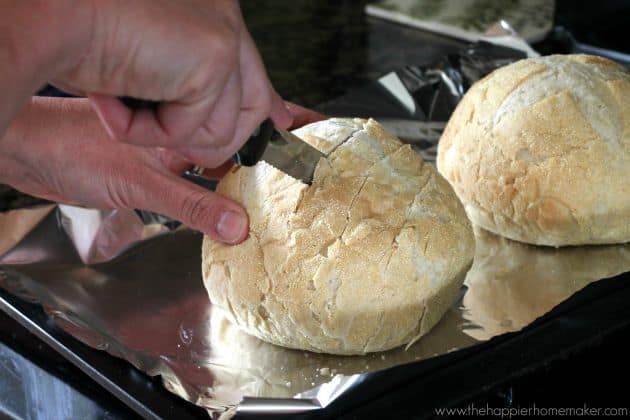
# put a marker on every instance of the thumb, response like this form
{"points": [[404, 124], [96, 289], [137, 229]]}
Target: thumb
{"points": [[218, 217], [280, 114]]}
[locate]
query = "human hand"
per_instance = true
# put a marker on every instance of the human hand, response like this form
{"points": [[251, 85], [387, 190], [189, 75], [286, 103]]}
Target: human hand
{"points": [[302, 116], [57, 149], [195, 57]]}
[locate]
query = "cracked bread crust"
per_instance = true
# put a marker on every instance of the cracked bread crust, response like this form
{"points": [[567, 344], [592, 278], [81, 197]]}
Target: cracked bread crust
{"points": [[365, 259], [539, 151]]}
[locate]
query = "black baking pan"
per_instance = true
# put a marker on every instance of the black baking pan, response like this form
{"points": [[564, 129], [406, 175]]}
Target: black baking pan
{"points": [[590, 315]]}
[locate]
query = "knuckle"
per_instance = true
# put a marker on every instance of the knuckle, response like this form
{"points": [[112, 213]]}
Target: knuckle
{"points": [[200, 156], [120, 192], [218, 57], [227, 45], [197, 207], [225, 135], [197, 82], [223, 45], [212, 136]]}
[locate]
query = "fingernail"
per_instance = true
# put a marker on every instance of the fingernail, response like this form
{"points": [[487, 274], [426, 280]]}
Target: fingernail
{"points": [[230, 226]]}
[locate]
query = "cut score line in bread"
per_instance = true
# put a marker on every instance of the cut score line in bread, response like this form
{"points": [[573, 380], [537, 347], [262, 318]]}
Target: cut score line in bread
{"points": [[587, 84], [365, 259], [538, 151]]}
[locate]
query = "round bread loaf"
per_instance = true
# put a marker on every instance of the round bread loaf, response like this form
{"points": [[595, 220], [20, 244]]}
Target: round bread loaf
{"points": [[365, 259], [539, 151]]}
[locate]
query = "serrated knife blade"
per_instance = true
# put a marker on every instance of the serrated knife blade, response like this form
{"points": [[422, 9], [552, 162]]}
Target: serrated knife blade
{"points": [[281, 149]]}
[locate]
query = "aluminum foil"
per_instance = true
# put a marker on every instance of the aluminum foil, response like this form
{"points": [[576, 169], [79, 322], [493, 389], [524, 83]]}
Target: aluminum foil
{"points": [[148, 306], [415, 102], [130, 283]]}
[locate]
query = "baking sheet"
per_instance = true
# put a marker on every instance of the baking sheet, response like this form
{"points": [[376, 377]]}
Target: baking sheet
{"points": [[130, 283], [148, 306]]}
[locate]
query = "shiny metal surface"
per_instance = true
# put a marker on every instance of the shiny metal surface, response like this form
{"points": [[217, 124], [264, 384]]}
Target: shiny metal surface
{"points": [[511, 284], [291, 155], [147, 304], [149, 307], [30, 392]]}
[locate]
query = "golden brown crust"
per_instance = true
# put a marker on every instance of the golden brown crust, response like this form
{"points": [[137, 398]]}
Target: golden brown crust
{"points": [[365, 259], [539, 150]]}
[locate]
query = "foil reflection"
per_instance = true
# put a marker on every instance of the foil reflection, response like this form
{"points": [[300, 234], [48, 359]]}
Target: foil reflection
{"points": [[511, 284], [149, 306], [267, 370]]}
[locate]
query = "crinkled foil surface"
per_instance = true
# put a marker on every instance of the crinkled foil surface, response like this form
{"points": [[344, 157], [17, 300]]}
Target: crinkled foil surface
{"points": [[148, 305], [131, 285]]}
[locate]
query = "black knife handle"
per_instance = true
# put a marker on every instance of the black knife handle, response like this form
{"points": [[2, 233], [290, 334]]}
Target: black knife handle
{"points": [[248, 155], [253, 149]]}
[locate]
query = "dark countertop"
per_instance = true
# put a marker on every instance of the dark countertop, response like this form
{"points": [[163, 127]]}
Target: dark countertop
{"points": [[316, 51]]}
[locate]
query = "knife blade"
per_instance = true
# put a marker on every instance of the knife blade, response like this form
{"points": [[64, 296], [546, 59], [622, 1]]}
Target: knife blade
{"points": [[282, 150], [279, 148]]}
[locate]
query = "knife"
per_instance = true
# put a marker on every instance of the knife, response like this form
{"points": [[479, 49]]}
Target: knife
{"points": [[282, 150], [279, 148]]}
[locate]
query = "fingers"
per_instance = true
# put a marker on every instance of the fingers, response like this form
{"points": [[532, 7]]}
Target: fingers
{"points": [[208, 157], [62, 153], [257, 100], [218, 217], [280, 114], [220, 127], [67, 88], [175, 163], [258, 93], [166, 193], [171, 160], [302, 116], [218, 172], [115, 116], [148, 179], [171, 125], [210, 129]]}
